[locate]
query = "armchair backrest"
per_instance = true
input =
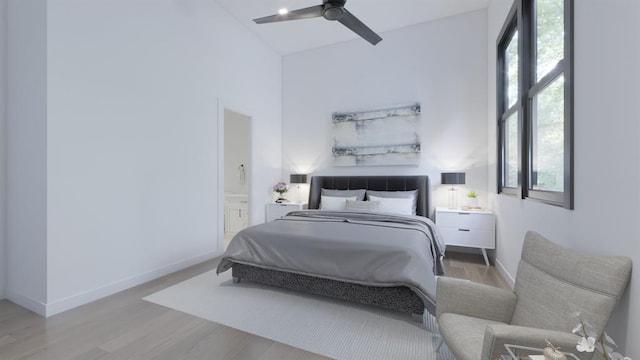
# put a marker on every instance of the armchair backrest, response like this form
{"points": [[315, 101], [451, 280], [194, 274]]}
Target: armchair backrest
{"points": [[554, 283]]}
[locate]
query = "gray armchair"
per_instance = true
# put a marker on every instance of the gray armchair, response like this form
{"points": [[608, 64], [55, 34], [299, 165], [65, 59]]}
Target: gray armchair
{"points": [[552, 284]]}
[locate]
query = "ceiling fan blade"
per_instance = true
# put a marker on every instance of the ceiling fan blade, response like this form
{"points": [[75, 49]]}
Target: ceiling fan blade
{"points": [[306, 13], [359, 28]]}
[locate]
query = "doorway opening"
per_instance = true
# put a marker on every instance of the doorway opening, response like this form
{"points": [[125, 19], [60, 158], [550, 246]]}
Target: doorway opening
{"points": [[236, 178]]}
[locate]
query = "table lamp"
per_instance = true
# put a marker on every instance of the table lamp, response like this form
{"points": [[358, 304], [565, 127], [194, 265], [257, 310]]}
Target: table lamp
{"points": [[298, 179], [452, 178]]}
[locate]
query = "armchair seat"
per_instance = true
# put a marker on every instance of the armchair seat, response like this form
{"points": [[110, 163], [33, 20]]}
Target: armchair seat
{"points": [[464, 334]]}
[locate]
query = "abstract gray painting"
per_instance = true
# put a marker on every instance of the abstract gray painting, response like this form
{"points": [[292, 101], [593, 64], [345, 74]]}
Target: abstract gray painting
{"points": [[385, 136]]}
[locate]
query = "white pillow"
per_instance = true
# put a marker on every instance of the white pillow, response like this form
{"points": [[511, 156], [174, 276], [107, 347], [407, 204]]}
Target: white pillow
{"points": [[394, 205], [413, 194], [335, 203]]}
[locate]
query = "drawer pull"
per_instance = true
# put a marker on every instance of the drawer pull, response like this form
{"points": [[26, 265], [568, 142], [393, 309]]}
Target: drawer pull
{"points": [[464, 213], [464, 230]]}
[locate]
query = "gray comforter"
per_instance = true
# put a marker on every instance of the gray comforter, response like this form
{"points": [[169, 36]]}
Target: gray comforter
{"points": [[365, 248]]}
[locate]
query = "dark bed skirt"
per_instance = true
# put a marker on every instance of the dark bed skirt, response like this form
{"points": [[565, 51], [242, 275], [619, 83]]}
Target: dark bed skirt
{"points": [[398, 298]]}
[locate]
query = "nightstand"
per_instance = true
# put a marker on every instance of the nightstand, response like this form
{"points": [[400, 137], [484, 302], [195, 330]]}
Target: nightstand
{"points": [[468, 228], [278, 210]]}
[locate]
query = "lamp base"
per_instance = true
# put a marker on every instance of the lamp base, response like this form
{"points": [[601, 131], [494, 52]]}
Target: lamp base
{"points": [[453, 204]]}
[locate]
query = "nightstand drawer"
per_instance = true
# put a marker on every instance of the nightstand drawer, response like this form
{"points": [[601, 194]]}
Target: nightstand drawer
{"points": [[465, 220], [467, 237]]}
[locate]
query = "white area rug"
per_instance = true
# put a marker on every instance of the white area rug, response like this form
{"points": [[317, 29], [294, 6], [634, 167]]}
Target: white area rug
{"points": [[332, 328]]}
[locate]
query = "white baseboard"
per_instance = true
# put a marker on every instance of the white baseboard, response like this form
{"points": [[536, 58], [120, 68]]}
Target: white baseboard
{"points": [[505, 274], [26, 302], [73, 301]]}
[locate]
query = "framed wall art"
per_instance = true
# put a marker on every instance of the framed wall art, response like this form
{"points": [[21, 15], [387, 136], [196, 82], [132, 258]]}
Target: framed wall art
{"points": [[383, 136]]}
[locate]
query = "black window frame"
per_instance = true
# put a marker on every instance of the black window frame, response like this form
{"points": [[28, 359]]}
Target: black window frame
{"points": [[522, 18], [504, 111]]}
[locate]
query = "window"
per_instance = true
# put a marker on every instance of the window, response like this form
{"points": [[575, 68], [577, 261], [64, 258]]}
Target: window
{"points": [[535, 102]]}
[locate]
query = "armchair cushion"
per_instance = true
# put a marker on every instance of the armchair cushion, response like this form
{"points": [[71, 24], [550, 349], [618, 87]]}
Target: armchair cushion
{"points": [[481, 301], [471, 338], [463, 334]]}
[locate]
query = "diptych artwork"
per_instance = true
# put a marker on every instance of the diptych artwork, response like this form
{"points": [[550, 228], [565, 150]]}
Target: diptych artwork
{"points": [[385, 136]]}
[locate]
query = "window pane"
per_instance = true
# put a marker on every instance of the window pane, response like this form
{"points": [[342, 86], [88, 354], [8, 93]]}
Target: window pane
{"points": [[549, 35], [512, 153], [511, 61], [548, 138]]}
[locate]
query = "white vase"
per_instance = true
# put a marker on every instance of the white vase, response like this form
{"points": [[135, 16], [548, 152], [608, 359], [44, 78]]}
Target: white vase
{"points": [[472, 202]]}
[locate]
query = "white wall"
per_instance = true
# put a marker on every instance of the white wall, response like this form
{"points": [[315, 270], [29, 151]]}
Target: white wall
{"points": [[131, 143], [3, 142], [237, 151], [606, 219], [441, 64], [26, 154]]}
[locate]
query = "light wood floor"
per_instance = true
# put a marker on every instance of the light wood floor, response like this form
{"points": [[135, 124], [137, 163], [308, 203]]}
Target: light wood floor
{"points": [[123, 326]]}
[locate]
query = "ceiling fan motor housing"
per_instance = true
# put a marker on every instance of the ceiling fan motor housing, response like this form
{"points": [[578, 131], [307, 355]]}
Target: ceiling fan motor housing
{"points": [[333, 9]]}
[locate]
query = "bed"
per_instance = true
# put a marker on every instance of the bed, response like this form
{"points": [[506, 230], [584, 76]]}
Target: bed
{"points": [[366, 257]]}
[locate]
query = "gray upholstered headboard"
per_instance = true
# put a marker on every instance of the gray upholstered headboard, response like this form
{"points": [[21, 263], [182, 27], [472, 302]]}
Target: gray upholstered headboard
{"points": [[380, 183]]}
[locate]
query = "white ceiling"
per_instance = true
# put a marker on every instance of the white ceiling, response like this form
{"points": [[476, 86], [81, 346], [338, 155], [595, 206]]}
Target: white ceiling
{"points": [[380, 15]]}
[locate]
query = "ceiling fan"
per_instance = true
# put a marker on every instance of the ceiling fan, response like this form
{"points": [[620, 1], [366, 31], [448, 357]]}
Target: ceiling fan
{"points": [[330, 10]]}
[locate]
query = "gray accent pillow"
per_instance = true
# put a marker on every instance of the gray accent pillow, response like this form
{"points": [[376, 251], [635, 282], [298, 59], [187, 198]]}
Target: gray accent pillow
{"points": [[411, 194], [366, 206], [358, 193]]}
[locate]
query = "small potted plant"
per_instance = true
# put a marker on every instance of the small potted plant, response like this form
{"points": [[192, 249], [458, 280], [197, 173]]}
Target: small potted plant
{"points": [[472, 199], [281, 188]]}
